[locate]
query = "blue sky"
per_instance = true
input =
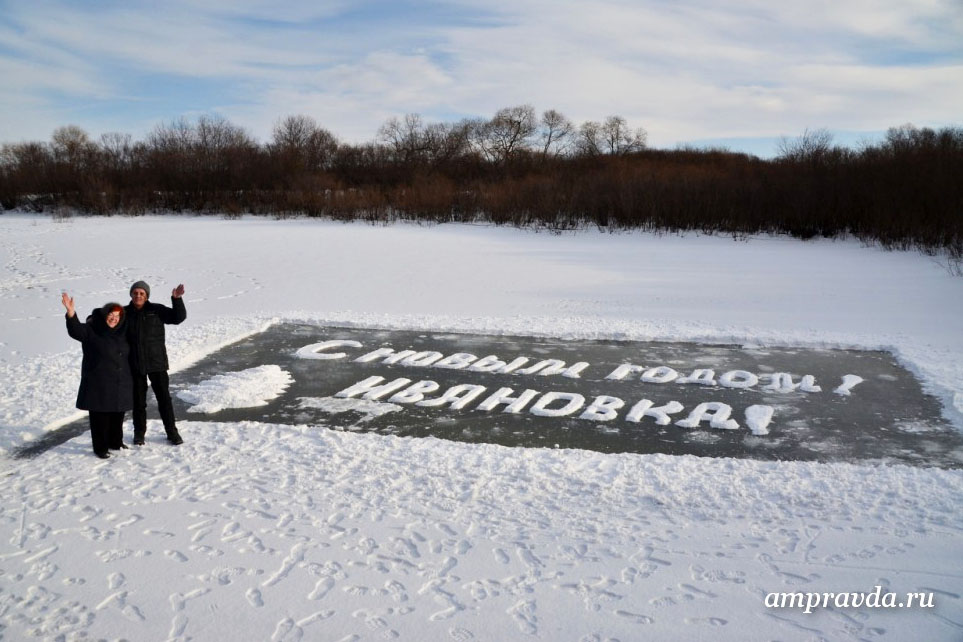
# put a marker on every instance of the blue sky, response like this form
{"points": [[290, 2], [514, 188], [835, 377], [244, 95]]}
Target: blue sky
{"points": [[740, 74]]}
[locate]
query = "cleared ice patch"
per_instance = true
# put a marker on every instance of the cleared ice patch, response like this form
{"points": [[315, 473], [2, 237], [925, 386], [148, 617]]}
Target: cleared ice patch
{"points": [[915, 427], [335, 405], [243, 389], [705, 437]]}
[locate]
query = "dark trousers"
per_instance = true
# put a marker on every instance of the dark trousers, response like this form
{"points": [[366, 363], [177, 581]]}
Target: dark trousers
{"points": [[160, 384], [106, 430]]}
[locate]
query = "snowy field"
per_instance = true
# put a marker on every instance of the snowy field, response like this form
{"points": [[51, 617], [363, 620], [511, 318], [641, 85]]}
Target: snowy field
{"points": [[266, 532]]}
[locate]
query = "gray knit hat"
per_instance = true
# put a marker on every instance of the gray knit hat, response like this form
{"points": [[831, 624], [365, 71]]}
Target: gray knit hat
{"points": [[143, 286]]}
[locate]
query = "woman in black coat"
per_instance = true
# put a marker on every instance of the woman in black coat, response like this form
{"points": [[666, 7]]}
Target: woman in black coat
{"points": [[106, 387]]}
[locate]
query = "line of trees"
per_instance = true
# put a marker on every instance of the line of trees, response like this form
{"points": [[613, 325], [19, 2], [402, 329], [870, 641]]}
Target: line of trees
{"points": [[518, 168]]}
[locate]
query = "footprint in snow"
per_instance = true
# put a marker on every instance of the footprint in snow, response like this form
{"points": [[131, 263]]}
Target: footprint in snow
{"points": [[177, 556], [254, 598]]}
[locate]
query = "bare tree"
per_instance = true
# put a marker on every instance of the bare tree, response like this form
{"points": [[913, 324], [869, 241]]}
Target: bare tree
{"points": [[812, 145], [25, 157], [293, 132], [178, 136], [619, 138], [614, 136], [27, 165], [508, 133], [446, 141], [302, 144], [555, 133], [71, 145], [906, 137], [406, 138], [222, 149], [590, 139], [116, 151], [216, 134]]}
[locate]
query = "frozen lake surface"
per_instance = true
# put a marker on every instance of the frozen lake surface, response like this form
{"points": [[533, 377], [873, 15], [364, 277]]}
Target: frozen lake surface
{"points": [[269, 530], [606, 396]]}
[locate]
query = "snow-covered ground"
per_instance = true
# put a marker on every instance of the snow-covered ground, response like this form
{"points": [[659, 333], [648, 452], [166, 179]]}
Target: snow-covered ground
{"points": [[268, 532]]}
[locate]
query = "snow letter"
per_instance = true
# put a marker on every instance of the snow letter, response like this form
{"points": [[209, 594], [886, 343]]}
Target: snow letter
{"points": [[781, 382], [701, 376], [398, 356], [661, 414], [422, 359], [661, 374], [758, 418], [383, 352], [457, 361], [550, 367], [604, 408], [543, 364], [572, 372], [512, 404], [313, 351], [414, 393], [623, 371], [850, 381], [458, 396], [738, 379], [491, 363], [515, 364], [371, 388], [716, 412], [575, 401]]}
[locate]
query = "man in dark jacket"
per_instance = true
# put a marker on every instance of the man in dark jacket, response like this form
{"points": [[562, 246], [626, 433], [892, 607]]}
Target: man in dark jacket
{"points": [[148, 356]]}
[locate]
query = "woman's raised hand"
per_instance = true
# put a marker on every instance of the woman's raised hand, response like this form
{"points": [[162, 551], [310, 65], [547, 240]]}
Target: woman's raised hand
{"points": [[68, 302]]}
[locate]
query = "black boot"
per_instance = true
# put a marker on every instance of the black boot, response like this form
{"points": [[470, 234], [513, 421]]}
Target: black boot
{"points": [[103, 455], [175, 438]]}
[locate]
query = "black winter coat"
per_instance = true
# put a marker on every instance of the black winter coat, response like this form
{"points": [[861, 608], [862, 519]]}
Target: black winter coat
{"points": [[145, 333], [105, 381]]}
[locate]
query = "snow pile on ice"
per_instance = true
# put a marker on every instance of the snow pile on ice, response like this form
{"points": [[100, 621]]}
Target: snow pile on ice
{"points": [[244, 389]]}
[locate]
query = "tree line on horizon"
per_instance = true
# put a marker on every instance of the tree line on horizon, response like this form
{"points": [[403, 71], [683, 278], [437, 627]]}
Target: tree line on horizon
{"points": [[518, 168]]}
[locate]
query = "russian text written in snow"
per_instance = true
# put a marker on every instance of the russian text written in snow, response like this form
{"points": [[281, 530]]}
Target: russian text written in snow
{"points": [[603, 408]]}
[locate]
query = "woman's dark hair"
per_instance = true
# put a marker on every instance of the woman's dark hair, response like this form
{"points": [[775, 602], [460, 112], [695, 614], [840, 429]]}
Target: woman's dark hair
{"points": [[113, 307]]}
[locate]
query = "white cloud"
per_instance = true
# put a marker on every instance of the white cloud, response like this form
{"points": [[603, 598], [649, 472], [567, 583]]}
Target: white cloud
{"points": [[683, 71]]}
